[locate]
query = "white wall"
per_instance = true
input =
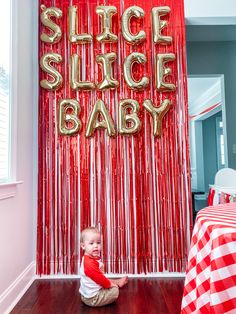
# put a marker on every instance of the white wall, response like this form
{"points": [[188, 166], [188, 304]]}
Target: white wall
{"points": [[17, 213]]}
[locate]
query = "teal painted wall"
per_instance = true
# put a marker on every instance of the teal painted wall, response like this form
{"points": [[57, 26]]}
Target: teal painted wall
{"points": [[218, 58]]}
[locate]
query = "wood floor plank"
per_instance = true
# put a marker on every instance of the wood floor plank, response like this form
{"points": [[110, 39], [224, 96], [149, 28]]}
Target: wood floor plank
{"points": [[141, 295]]}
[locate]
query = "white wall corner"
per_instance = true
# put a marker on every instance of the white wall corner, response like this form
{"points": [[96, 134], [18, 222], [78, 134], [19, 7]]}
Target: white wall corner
{"points": [[15, 291], [210, 97]]}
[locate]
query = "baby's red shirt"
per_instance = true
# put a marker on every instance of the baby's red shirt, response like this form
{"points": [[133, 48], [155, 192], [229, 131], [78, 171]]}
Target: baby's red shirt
{"points": [[92, 270]]}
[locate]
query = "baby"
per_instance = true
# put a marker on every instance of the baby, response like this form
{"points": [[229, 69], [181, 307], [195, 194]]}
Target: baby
{"points": [[95, 288]]}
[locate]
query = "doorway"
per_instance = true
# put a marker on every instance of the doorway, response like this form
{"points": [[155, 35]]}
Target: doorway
{"points": [[207, 126]]}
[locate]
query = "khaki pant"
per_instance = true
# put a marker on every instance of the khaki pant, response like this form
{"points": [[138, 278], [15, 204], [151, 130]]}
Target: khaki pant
{"points": [[103, 297]]}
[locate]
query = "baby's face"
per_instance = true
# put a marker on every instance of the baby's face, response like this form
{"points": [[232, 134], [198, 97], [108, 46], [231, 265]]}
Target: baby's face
{"points": [[92, 244]]}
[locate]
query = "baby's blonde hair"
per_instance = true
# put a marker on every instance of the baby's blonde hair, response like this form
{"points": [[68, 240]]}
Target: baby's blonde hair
{"points": [[86, 230]]}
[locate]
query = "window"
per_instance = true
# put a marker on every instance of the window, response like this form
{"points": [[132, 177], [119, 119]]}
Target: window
{"points": [[5, 53], [8, 97], [220, 143]]}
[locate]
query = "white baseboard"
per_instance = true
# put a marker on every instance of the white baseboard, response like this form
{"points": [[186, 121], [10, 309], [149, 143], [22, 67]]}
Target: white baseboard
{"points": [[149, 275], [15, 291]]}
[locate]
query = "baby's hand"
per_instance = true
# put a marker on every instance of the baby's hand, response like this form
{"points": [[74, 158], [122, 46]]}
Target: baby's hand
{"points": [[102, 268]]}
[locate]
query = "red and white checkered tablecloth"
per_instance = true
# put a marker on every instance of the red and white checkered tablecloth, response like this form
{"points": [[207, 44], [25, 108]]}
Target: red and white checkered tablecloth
{"points": [[210, 284]]}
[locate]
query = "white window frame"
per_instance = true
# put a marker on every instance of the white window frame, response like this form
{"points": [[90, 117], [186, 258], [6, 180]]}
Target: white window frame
{"points": [[220, 152], [9, 188]]}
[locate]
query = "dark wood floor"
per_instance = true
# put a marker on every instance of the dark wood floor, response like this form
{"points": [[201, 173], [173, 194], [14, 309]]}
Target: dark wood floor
{"points": [[142, 295]]}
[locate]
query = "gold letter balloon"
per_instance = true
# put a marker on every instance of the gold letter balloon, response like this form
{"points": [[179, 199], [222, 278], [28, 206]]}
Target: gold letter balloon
{"points": [[45, 64], [66, 118], [106, 61], [73, 28], [158, 25], [106, 13], [157, 114], [126, 118], [162, 72], [45, 17], [94, 122], [99, 66], [133, 11], [75, 75], [129, 61]]}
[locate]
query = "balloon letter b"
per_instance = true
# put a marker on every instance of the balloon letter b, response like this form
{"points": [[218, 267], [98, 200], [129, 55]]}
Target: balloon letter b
{"points": [[130, 118], [65, 118]]}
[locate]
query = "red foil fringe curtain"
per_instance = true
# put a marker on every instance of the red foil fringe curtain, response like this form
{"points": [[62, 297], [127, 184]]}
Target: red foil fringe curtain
{"points": [[136, 189]]}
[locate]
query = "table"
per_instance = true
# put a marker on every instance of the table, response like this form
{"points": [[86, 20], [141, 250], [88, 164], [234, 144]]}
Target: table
{"points": [[210, 283]]}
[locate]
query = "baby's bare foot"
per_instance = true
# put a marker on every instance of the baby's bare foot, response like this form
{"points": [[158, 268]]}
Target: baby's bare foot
{"points": [[122, 281]]}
